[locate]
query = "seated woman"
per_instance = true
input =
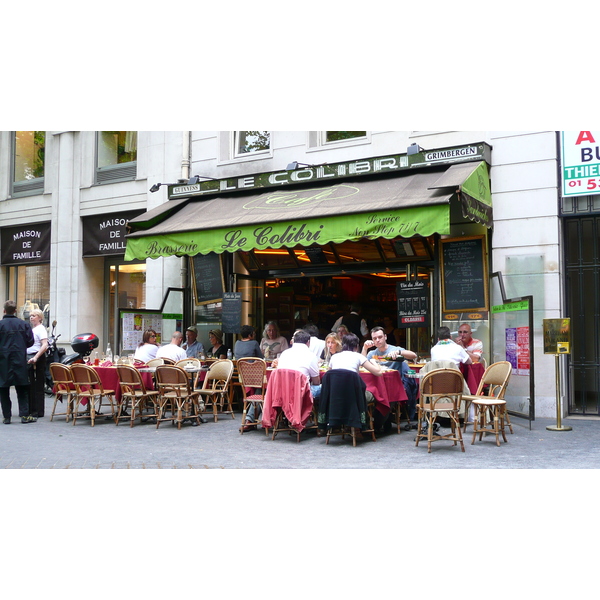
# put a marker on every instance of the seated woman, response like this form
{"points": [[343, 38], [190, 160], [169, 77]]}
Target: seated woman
{"points": [[333, 345], [351, 359], [217, 349], [148, 347], [272, 343], [247, 346]]}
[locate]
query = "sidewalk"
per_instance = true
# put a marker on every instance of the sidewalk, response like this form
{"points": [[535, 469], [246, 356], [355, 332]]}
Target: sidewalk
{"points": [[60, 445]]}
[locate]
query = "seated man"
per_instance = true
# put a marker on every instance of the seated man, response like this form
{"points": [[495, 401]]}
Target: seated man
{"points": [[377, 346], [473, 347], [298, 357], [193, 348], [447, 349], [317, 345], [173, 350]]}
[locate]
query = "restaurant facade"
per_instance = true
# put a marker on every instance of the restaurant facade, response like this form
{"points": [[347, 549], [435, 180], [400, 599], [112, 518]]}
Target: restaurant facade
{"points": [[220, 228]]}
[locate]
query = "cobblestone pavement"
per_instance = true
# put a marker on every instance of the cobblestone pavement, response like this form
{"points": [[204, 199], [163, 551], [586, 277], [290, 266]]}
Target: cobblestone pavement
{"points": [[60, 445]]}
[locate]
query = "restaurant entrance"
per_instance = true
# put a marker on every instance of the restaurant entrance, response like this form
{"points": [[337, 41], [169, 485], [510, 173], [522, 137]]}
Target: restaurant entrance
{"points": [[321, 293]]}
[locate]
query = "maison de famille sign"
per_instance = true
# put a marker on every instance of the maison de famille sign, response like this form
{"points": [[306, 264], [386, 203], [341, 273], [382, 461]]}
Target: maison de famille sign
{"points": [[321, 173], [26, 244], [105, 234]]}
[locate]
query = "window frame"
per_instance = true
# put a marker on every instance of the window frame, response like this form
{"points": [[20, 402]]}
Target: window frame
{"points": [[256, 153], [126, 171], [26, 187]]}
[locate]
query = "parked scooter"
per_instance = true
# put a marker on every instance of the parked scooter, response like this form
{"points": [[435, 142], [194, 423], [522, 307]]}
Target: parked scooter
{"points": [[82, 344], [53, 354]]}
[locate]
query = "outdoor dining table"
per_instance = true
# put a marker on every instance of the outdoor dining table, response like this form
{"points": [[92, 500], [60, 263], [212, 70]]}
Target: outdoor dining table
{"points": [[386, 388], [109, 378], [472, 374]]}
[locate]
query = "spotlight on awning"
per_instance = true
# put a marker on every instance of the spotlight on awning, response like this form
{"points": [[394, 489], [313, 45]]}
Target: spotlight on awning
{"points": [[414, 149], [196, 179], [294, 165]]}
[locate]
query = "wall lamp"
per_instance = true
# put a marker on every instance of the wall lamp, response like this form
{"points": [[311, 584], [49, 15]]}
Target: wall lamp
{"points": [[294, 165], [156, 186], [414, 149], [196, 179]]}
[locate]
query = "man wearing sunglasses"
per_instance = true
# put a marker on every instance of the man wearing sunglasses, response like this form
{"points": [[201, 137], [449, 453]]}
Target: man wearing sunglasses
{"points": [[473, 347]]}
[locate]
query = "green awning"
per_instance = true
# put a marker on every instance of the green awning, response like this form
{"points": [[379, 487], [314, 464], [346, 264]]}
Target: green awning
{"points": [[348, 211]]}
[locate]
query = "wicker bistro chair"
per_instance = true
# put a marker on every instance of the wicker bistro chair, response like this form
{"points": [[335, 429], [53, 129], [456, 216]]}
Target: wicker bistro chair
{"points": [[64, 388], [496, 377], [90, 389], [134, 395], [155, 362], [193, 362], [176, 396], [252, 373], [215, 389], [440, 394]]}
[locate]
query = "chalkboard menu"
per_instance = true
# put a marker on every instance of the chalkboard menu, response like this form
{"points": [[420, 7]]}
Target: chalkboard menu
{"points": [[464, 275], [207, 278], [232, 312]]}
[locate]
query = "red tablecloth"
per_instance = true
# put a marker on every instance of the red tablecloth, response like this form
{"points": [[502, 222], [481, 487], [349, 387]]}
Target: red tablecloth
{"points": [[386, 388], [110, 380], [472, 374]]}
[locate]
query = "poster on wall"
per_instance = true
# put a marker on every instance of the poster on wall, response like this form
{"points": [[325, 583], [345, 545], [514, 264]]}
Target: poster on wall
{"points": [[133, 325], [413, 303], [580, 159], [517, 349]]}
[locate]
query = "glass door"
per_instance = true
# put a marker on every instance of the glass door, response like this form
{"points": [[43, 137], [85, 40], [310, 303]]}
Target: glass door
{"points": [[125, 288]]}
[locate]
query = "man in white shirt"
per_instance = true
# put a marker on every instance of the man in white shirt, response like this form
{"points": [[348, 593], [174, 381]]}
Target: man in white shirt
{"points": [[446, 349], [316, 345], [299, 358], [174, 351]]}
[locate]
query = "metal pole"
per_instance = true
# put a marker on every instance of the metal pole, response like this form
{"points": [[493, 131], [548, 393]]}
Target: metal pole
{"points": [[558, 426]]}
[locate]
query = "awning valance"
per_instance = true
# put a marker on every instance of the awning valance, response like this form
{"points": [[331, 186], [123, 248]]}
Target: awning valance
{"points": [[350, 210]]}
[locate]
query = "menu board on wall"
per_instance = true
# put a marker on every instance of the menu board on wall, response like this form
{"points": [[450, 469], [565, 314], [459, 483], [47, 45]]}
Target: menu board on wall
{"points": [[413, 303], [133, 325], [232, 312], [464, 275], [207, 278]]}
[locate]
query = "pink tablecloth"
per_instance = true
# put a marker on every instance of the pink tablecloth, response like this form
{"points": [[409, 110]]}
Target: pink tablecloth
{"points": [[472, 374], [110, 380]]}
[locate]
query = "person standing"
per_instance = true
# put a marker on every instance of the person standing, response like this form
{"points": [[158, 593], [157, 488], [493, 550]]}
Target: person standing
{"points": [[354, 322], [36, 359], [15, 337]]}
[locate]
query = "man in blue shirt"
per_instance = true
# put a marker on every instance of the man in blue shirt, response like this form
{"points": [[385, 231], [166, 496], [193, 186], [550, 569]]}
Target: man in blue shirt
{"points": [[192, 346], [395, 355]]}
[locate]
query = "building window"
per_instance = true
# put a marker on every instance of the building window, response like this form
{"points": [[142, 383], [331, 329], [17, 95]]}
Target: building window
{"points": [[28, 162], [338, 136], [251, 142], [29, 286], [116, 156]]}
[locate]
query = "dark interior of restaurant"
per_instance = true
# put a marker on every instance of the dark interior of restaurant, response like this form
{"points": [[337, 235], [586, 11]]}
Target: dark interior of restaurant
{"points": [[317, 284]]}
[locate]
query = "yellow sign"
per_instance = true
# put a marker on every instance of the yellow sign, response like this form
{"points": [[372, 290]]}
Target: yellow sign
{"points": [[557, 336]]}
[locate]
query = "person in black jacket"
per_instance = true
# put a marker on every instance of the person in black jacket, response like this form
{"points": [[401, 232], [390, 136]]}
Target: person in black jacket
{"points": [[15, 337]]}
